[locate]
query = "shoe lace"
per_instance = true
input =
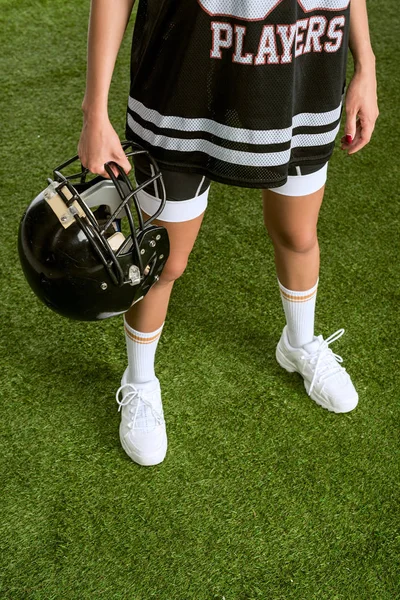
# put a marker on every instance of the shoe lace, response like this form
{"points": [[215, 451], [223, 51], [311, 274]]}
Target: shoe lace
{"points": [[137, 397], [325, 361]]}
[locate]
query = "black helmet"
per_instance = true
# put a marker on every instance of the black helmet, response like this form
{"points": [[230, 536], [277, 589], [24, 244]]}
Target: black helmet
{"points": [[73, 251]]}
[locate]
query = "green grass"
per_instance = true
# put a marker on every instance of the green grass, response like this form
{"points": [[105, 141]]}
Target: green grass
{"points": [[263, 495]]}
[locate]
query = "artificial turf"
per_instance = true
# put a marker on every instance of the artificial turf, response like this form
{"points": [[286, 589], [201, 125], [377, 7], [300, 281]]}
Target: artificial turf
{"points": [[263, 494]]}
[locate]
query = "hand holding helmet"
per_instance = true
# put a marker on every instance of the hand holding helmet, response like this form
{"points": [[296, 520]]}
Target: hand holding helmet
{"points": [[99, 143]]}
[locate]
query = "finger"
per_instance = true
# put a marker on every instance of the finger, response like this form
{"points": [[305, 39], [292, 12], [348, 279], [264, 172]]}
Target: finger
{"points": [[351, 124], [100, 170], [126, 165], [364, 138], [123, 161], [345, 143], [114, 170], [357, 139]]}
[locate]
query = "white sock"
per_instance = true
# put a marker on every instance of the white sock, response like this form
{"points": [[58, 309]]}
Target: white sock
{"points": [[141, 348], [299, 310]]}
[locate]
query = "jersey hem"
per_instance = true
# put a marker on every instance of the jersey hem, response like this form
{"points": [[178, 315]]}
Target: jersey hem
{"points": [[187, 168]]}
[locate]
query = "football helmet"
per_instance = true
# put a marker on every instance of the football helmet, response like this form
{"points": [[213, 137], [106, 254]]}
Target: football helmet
{"points": [[72, 248]]}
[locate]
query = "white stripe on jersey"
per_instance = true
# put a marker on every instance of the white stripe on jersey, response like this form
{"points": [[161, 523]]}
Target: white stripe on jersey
{"points": [[236, 134], [237, 157]]}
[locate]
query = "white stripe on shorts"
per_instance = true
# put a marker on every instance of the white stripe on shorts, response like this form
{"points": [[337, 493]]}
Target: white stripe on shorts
{"points": [[301, 185], [199, 188], [175, 211]]}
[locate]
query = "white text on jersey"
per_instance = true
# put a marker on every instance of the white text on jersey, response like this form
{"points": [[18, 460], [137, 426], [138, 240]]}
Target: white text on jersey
{"points": [[302, 37]]}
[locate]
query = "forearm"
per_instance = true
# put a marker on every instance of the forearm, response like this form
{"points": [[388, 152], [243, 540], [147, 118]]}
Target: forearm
{"points": [[359, 40], [107, 25]]}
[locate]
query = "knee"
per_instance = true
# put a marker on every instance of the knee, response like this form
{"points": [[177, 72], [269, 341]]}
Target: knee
{"points": [[295, 241], [173, 269]]}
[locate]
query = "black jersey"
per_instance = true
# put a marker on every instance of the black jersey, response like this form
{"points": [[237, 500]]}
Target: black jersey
{"points": [[238, 90]]}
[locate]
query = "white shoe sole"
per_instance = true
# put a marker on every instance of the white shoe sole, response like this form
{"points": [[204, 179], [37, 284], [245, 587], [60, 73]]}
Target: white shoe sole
{"points": [[147, 460], [289, 366]]}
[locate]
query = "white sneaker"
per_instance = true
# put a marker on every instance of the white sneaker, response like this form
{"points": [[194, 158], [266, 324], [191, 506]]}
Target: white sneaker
{"points": [[325, 380], [142, 429]]}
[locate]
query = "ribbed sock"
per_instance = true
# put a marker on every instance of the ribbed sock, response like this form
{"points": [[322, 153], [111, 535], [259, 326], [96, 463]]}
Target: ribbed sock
{"points": [[141, 348], [299, 310]]}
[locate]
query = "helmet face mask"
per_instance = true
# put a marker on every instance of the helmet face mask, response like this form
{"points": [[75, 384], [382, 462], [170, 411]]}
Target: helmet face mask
{"points": [[73, 251]]}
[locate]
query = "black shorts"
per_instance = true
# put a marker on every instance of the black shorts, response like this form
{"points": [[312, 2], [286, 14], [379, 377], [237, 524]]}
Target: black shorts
{"points": [[187, 193]]}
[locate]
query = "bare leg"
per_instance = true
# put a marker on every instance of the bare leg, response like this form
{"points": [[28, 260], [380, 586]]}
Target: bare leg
{"points": [[291, 222], [149, 314]]}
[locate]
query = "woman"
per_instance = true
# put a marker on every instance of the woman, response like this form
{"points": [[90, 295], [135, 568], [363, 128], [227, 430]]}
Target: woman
{"points": [[248, 94]]}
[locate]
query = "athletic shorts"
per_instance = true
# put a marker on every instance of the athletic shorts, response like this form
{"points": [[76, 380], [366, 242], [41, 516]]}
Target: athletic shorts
{"points": [[187, 193]]}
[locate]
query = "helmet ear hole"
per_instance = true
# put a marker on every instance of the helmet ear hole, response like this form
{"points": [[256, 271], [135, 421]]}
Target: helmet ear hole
{"points": [[102, 214]]}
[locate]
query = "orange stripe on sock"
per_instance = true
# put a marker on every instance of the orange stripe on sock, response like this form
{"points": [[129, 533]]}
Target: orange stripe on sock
{"points": [[292, 298], [140, 340]]}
